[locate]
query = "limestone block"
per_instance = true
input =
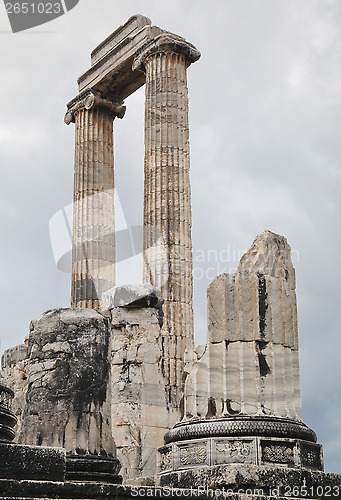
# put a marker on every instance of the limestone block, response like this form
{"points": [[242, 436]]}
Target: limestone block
{"points": [[259, 301], [220, 308], [132, 296], [13, 355], [153, 439], [122, 316]]}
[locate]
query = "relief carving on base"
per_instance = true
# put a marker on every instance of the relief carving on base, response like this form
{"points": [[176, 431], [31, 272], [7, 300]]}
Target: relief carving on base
{"points": [[310, 457]]}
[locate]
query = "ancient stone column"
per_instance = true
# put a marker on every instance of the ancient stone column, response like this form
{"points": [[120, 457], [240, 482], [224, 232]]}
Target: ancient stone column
{"points": [[242, 396], [93, 244], [167, 195]]}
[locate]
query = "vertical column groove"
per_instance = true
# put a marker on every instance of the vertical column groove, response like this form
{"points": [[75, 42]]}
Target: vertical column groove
{"points": [[167, 207]]}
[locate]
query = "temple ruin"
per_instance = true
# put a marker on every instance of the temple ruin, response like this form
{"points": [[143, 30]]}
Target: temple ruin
{"points": [[110, 395]]}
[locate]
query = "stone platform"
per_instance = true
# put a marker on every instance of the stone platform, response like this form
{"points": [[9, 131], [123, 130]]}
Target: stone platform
{"points": [[252, 481], [34, 491]]}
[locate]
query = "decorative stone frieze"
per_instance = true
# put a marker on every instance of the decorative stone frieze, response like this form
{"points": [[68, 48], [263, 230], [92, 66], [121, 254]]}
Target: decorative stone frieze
{"points": [[237, 451]]}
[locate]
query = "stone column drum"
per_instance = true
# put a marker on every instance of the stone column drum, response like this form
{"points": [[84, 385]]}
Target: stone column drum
{"points": [[93, 245], [167, 195]]}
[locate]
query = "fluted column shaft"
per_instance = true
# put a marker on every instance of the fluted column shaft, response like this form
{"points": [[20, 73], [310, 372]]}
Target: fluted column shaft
{"points": [[167, 206], [93, 243]]}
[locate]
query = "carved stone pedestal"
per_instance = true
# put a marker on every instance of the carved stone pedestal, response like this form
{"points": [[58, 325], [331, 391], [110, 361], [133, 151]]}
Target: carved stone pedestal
{"points": [[241, 440]]}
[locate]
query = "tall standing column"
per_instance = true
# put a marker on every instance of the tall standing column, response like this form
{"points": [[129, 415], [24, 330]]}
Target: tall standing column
{"points": [[93, 241], [167, 196]]}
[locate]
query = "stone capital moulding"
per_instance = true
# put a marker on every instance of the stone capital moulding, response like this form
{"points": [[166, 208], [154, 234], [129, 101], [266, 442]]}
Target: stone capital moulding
{"points": [[165, 43], [92, 98]]}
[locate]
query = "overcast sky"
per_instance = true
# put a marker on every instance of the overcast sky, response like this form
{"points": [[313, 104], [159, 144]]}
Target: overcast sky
{"points": [[265, 116]]}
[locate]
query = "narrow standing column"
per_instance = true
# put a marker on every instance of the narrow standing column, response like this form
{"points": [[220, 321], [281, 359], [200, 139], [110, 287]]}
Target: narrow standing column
{"points": [[93, 241], [167, 197]]}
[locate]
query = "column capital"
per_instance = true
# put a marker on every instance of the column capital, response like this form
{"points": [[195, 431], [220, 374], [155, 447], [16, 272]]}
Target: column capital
{"points": [[165, 43], [92, 98]]}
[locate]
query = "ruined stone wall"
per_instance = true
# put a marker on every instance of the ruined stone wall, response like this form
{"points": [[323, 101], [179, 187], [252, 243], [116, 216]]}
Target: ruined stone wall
{"points": [[68, 397]]}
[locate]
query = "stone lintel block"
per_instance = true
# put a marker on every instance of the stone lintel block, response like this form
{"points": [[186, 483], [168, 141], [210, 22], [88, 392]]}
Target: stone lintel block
{"points": [[13, 355], [32, 462], [132, 296], [116, 62]]}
